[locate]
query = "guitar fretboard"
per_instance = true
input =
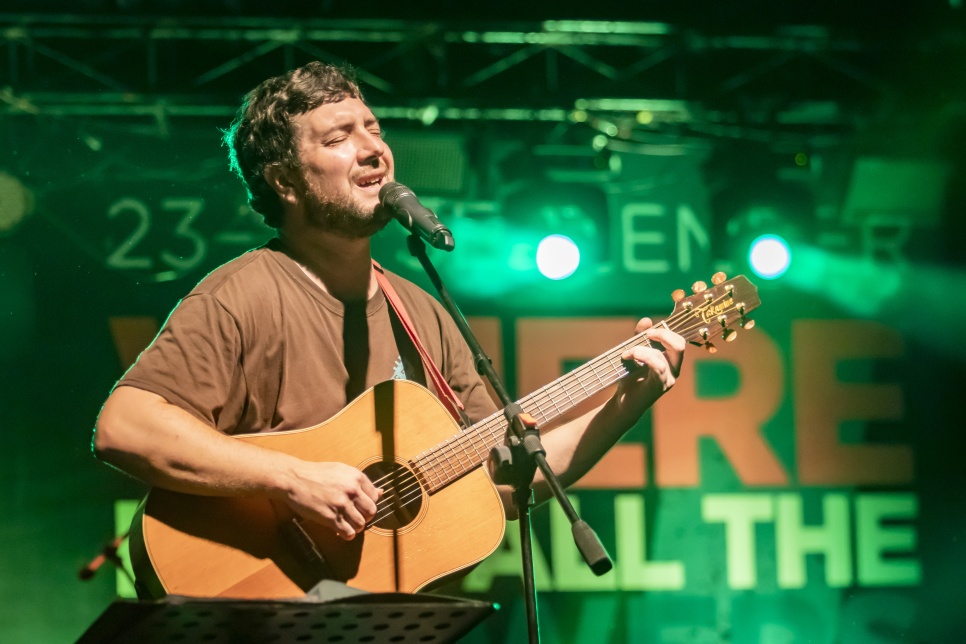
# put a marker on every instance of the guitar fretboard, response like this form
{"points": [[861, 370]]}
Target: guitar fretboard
{"points": [[464, 452], [697, 319]]}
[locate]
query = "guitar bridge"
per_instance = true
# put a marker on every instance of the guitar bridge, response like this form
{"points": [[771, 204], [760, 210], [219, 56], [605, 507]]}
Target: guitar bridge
{"points": [[297, 537]]}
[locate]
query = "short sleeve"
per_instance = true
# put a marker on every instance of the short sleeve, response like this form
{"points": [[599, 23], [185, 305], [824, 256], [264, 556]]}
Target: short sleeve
{"points": [[194, 362]]}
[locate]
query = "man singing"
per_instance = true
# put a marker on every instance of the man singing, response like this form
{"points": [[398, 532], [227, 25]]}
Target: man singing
{"points": [[286, 335]]}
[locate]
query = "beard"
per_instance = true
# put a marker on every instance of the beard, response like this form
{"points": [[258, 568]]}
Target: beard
{"points": [[343, 217]]}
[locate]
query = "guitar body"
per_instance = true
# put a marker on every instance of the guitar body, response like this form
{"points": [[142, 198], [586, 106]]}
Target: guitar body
{"points": [[243, 547]]}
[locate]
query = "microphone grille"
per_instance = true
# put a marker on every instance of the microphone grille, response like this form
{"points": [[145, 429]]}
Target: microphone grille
{"points": [[391, 192]]}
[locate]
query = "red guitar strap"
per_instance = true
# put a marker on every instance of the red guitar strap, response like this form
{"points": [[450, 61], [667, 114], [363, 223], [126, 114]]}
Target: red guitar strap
{"points": [[446, 394]]}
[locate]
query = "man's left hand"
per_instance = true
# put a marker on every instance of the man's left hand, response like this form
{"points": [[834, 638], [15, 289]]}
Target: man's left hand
{"points": [[657, 368]]}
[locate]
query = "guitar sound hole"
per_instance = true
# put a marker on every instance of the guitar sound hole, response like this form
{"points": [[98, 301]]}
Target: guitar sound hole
{"points": [[402, 497]]}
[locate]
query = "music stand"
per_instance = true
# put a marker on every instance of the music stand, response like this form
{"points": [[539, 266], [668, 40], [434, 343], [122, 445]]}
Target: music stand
{"points": [[364, 617]]}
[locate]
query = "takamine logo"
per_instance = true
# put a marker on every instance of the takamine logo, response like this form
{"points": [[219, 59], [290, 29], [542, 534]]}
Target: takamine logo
{"points": [[712, 311]]}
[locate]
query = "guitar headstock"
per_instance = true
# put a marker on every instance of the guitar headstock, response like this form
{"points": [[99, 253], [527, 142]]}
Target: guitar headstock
{"points": [[714, 311]]}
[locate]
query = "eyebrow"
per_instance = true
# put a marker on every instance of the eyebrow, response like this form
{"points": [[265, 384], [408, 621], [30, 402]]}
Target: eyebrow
{"points": [[346, 125]]}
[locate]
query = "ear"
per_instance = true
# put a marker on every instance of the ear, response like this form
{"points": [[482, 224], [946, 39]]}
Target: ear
{"points": [[283, 181]]}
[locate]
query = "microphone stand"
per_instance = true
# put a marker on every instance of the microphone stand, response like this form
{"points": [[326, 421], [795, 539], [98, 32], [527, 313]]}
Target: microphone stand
{"points": [[516, 462]]}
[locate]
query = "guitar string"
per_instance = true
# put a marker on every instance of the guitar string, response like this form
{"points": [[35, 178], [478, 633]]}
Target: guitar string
{"points": [[469, 439], [437, 454], [594, 367]]}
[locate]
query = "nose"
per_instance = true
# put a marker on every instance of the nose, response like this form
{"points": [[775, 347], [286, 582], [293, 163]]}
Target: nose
{"points": [[371, 148]]}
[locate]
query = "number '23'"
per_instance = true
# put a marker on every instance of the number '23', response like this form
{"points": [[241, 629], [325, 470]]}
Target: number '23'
{"points": [[123, 256]]}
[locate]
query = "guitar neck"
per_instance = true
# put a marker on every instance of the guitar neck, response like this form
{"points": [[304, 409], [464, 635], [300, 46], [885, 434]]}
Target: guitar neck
{"points": [[563, 394], [708, 313], [468, 450]]}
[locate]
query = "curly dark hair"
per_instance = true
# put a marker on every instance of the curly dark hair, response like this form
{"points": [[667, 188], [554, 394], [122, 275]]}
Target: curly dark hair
{"points": [[264, 131]]}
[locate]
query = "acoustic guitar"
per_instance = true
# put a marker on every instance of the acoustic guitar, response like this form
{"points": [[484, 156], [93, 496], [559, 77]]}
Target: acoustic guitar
{"points": [[440, 513]]}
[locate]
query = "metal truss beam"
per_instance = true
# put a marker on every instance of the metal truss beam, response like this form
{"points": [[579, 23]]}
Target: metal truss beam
{"points": [[554, 71]]}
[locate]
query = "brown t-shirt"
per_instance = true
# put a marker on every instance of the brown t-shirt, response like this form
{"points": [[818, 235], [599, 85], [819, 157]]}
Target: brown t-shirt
{"points": [[258, 347]]}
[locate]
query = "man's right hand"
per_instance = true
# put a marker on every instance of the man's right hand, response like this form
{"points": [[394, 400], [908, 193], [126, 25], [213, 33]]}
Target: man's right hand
{"points": [[335, 495], [163, 445]]}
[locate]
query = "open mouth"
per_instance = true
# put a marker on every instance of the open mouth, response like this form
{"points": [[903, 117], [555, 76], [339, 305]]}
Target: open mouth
{"points": [[372, 181]]}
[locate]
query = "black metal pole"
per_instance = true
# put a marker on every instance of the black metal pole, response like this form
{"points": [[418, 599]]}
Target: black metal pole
{"points": [[523, 499], [519, 460]]}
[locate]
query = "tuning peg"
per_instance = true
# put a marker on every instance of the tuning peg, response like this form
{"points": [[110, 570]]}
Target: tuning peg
{"points": [[699, 287], [705, 334], [726, 333], [718, 278], [678, 295], [745, 322]]}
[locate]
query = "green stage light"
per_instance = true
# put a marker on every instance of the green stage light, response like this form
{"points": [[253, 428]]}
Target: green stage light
{"points": [[763, 208], [543, 237], [557, 257], [563, 226], [769, 256]]}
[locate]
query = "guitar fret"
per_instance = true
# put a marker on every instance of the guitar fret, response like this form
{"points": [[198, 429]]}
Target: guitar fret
{"points": [[574, 389], [570, 398], [550, 395], [439, 463], [448, 462], [435, 459], [611, 367], [456, 461], [537, 401], [420, 475], [425, 463], [480, 449], [470, 462], [580, 378], [618, 370], [597, 375], [426, 472], [483, 441], [496, 433]]}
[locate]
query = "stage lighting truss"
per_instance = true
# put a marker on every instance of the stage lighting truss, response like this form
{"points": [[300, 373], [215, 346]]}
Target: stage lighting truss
{"points": [[624, 78]]}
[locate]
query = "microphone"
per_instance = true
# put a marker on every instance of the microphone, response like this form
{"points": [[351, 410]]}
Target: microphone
{"points": [[417, 218]]}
